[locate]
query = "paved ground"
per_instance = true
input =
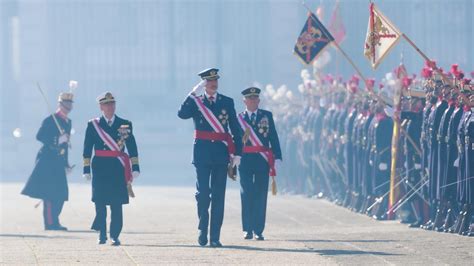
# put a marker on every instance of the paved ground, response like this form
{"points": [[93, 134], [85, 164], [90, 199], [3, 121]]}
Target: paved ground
{"points": [[160, 228]]}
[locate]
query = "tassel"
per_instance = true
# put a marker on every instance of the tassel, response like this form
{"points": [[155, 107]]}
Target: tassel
{"points": [[274, 186], [130, 190]]}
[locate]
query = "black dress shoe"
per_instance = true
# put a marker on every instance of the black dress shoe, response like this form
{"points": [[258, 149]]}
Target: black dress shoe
{"points": [[61, 228], [57, 227], [259, 237], [202, 239], [216, 244], [248, 235], [102, 241], [415, 224], [471, 232], [115, 241]]}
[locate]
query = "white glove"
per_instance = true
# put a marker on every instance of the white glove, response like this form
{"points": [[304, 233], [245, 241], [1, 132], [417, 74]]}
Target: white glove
{"points": [[456, 163], [135, 174], [277, 163], [383, 166], [417, 166], [69, 170], [199, 88], [87, 177], [236, 161], [63, 139]]}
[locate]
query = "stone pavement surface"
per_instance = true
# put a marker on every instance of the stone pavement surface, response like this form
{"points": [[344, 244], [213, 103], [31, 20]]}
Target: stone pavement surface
{"points": [[160, 227]]}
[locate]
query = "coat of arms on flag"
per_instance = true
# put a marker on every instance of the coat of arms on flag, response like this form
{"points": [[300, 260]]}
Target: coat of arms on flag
{"points": [[382, 35], [314, 37]]}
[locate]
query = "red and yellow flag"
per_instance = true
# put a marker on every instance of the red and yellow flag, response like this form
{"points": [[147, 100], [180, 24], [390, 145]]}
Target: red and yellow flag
{"points": [[382, 36]]}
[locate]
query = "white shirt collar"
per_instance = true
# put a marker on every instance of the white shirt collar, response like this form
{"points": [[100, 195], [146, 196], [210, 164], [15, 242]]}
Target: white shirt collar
{"points": [[250, 113], [207, 96], [107, 120]]}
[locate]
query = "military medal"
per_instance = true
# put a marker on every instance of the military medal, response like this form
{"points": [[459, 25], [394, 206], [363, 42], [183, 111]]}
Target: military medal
{"points": [[123, 132]]}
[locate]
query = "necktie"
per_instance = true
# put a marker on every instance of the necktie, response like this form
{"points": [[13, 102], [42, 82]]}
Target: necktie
{"points": [[252, 118], [211, 99], [109, 123]]}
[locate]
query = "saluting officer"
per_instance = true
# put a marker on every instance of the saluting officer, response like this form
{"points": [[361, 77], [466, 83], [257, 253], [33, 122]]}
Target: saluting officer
{"points": [[214, 147], [48, 180], [261, 149], [111, 167]]}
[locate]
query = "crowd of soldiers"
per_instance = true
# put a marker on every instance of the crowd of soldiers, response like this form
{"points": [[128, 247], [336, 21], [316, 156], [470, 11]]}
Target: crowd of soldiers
{"points": [[338, 138]]}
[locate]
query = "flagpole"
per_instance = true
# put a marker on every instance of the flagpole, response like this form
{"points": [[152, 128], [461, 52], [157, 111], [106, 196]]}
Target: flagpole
{"points": [[414, 46], [443, 77], [351, 62]]}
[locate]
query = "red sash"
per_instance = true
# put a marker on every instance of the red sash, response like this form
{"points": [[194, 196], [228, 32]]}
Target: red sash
{"points": [[257, 146], [207, 135], [219, 133], [114, 151], [123, 157]]}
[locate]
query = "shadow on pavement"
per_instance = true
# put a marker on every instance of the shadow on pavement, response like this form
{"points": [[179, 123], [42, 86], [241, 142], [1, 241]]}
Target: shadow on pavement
{"points": [[323, 252], [335, 241], [38, 236]]}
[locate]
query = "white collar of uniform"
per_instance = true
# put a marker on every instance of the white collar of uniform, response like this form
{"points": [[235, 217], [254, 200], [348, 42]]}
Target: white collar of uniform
{"points": [[207, 95], [250, 113], [107, 120]]}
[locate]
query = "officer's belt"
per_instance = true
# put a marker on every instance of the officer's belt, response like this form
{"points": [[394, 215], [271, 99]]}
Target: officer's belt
{"points": [[126, 167], [208, 135], [267, 151]]}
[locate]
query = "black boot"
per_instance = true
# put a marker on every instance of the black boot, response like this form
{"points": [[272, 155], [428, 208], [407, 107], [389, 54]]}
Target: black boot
{"points": [[448, 221], [347, 198], [466, 221], [440, 217], [430, 224], [457, 223], [367, 202], [381, 212]]}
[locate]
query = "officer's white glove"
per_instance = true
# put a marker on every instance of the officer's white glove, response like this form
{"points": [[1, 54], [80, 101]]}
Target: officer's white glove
{"points": [[417, 166], [277, 163], [199, 88], [383, 166], [87, 177], [63, 139], [456, 162], [69, 170], [236, 161], [135, 174]]}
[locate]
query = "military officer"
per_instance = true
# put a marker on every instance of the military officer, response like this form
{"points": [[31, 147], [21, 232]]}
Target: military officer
{"points": [[213, 115], [381, 141], [441, 161], [413, 154], [261, 149], [112, 170], [434, 120], [468, 229], [48, 180], [466, 169]]}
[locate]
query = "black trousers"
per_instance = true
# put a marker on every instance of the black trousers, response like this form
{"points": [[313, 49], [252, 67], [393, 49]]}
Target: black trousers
{"points": [[51, 211], [210, 191], [253, 195], [100, 221]]}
